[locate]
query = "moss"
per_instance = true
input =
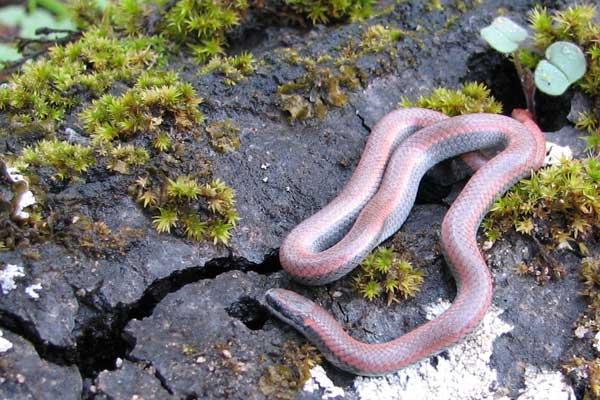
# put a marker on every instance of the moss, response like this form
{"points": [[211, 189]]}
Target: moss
{"points": [[321, 87], [47, 89], [376, 39], [200, 211], [471, 97], [224, 135], [125, 156], [66, 159], [385, 273], [204, 21], [323, 11], [559, 204], [234, 69], [156, 99], [286, 379], [200, 24], [95, 238]]}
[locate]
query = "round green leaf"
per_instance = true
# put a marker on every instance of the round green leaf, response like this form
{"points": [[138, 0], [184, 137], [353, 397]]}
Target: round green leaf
{"points": [[12, 15], [497, 40], [549, 79], [8, 53], [513, 31], [504, 35], [567, 57]]}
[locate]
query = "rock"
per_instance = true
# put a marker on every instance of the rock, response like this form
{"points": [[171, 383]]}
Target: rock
{"points": [[198, 348], [25, 375], [130, 381]]}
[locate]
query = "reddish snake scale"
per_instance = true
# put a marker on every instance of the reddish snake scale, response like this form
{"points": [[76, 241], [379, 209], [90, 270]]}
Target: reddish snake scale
{"points": [[373, 206]]}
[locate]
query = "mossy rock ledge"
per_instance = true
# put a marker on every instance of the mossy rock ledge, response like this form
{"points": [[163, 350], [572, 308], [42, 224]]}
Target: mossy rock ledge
{"points": [[160, 316]]}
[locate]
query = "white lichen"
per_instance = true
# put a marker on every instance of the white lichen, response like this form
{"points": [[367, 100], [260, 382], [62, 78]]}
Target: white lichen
{"points": [[8, 275], [597, 342], [32, 291], [541, 384], [555, 153], [5, 345], [462, 373], [320, 382]]}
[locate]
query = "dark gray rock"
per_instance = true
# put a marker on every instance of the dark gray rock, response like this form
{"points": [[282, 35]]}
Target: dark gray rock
{"points": [[24, 375], [129, 381], [198, 349]]}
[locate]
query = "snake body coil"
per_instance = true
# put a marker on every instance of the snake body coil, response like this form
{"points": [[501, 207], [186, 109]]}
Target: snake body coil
{"points": [[375, 203]]}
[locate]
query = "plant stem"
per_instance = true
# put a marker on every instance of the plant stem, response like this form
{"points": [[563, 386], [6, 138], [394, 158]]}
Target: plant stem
{"points": [[527, 83]]}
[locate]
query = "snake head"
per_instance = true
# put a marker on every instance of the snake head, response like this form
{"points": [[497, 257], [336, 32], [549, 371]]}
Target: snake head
{"points": [[288, 306]]}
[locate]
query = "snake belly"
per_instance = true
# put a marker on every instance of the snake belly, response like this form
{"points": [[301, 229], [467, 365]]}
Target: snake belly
{"points": [[374, 204]]}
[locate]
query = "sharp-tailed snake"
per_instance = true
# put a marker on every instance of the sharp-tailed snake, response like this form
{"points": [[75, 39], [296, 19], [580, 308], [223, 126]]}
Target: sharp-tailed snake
{"points": [[373, 205]]}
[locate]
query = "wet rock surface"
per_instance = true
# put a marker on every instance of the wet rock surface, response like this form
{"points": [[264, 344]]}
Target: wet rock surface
{"points": [[186, 318]]}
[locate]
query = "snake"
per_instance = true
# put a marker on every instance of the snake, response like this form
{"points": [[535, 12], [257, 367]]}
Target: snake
{"points": [[374, 204]]}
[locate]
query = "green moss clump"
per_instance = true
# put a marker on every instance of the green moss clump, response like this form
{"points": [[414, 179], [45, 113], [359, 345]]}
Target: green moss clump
{"points": [[125, 156], [224, 135], [470, 98], [234, 69], [285, 380], [47, 89], [175, 205], [205, 21], [156, 98], [378, 38], [320, 87], [66, 159], [323, 11], [560, 204], [384, 272], [200, 24]]}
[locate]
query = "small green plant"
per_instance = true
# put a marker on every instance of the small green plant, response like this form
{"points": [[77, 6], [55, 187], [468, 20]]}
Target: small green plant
{"points": [[65, 158], [559, 204], [323, 11], [384, 272], [200, 211], [162, 142], [565, 61], [471, 97], [234, 69], [224, 135]]}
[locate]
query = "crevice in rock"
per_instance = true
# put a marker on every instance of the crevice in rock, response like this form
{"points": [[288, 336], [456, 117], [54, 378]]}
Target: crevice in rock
{"points": [[101, 338], [499, 74], [54, 354], [163, 381], [250, 312]]}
